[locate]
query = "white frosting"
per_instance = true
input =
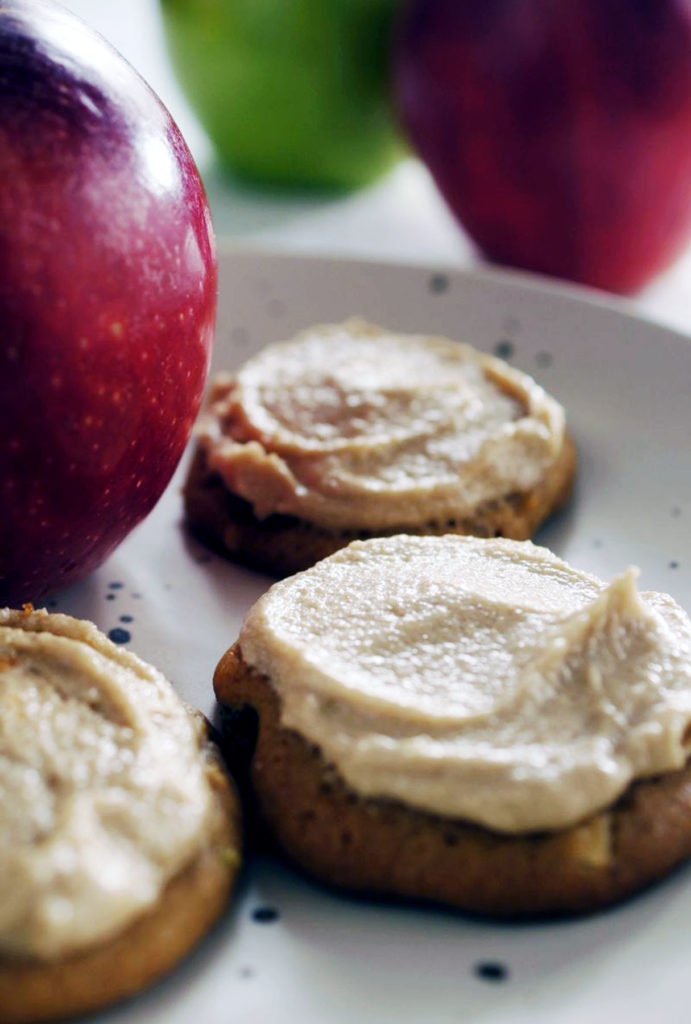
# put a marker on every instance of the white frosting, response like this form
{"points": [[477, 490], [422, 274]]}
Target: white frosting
{"points": [[350, 426], [103, 795], [480, 679]]}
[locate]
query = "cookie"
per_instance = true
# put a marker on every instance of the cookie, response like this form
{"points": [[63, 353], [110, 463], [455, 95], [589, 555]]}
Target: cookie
{"points": [[349, 432], [109, 875], [360, 805]]}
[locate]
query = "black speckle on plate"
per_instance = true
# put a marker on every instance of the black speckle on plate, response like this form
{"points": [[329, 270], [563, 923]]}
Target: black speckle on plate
{"points": [[119, 636], [674, 564], [675, 512], [597, 543], [126, 618], [544, 359], [116, 585], [111, 597], [265, 915], [438, 283], [246, 972], [504, 349], [512, 325], [491, 970]]}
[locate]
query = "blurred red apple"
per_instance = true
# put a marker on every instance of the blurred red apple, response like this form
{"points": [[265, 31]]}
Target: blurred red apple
{"points": [[559, 133], [107, 298]]}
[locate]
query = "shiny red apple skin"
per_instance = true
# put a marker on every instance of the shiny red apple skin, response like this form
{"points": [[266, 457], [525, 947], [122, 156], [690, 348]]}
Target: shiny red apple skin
{"points": [[108, 284], [559, 133]]}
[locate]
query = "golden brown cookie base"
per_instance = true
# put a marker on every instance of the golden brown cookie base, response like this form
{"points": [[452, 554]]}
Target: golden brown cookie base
{"points": [[38, 991], [283, 544], [383, 847]]}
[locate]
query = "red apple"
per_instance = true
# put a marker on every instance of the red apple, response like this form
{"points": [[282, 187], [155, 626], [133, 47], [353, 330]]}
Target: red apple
{"points": [[107, 298], [558, 132]]}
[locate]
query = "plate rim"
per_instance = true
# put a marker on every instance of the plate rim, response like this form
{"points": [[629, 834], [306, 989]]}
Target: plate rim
{"points": [[505, 277]]}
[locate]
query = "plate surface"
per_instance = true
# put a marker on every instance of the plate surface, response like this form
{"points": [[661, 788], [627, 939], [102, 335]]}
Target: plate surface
{"points": [[326, 959]]}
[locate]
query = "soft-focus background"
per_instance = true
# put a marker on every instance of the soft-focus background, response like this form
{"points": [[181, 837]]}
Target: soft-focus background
{"points": [[400, 217]]}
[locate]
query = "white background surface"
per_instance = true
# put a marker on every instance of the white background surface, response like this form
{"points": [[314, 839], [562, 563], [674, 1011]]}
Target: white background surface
{"points": [[401, 217]]}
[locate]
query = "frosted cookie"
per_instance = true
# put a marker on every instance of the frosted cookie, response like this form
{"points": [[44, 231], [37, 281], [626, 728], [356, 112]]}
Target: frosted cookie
{"points": [[469, 721], [350, 431], [119, 831]]}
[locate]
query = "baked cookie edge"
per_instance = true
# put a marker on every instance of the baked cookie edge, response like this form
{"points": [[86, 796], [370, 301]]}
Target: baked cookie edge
{"points": [[283, 545], [152, 945], [383, 848]]}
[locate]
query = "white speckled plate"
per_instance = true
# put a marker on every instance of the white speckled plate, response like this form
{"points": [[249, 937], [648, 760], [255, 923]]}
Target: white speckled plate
{"points": [[324, 959]]}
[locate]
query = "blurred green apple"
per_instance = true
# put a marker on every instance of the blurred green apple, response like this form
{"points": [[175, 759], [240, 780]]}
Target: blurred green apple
{"points": [[291, 92]]}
